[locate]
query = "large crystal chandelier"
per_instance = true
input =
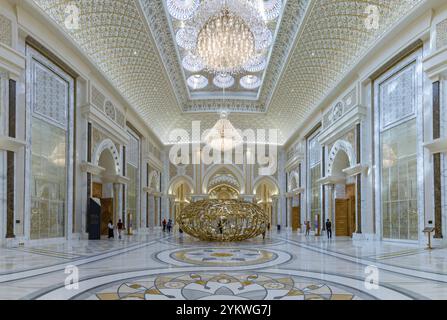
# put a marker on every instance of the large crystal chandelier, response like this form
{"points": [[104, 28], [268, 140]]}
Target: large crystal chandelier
{"points": [[223, 136], [225, 43]]}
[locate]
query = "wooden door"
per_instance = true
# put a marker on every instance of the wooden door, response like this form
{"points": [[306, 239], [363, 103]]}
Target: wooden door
{"points": [[106, 214], [341, 217], [97, 190], [296, 218]]}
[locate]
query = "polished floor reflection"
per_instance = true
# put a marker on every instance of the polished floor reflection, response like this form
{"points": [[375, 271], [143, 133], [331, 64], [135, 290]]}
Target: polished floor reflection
{"points": [[283, 266]]}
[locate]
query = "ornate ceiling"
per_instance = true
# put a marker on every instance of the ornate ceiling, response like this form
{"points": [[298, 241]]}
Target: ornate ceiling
{"points": [[317, 42]]}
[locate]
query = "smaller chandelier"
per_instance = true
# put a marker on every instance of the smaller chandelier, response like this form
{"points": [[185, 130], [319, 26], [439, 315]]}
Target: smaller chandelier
{"points": [[250, 82], [192, 63], [223, 136], [197, 82], [223, 81], [187, 38], [256, 64], [182, 9], [264, 38], [225, 43], [271, 8]]}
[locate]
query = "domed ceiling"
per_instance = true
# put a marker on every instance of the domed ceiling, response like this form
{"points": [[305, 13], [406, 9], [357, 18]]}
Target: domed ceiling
{"points": [[135, 44]]}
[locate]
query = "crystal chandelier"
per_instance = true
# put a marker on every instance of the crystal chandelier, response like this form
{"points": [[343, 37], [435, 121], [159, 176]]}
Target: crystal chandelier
{"points": [[226, 43], [223, 136]]}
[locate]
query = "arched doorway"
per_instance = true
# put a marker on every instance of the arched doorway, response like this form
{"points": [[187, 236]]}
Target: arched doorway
{"points": [[265, 189], [181, 189], [343, 194], [106, 157]]}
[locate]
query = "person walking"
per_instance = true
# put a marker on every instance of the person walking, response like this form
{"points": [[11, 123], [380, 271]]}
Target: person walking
{"points": [[164, 225], [169, 225], [307, 228], [110, 228], [329, 229], [120, 226]]}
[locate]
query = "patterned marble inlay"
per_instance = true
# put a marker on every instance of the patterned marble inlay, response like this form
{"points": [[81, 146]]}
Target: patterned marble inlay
{"points": [[98, 99], [225, 286], [5, 30], [224, 256], [441, 34]]}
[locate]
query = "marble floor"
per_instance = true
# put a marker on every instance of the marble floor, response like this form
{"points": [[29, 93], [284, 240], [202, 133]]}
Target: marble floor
{"points": [[284, 266]]}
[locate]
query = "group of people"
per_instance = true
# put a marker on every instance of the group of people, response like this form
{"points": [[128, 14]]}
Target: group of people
{"points": [[111, 228], [167, 225], [328, 228]]}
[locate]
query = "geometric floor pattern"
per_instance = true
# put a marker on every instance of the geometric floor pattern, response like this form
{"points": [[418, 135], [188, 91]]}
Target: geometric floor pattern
{"points": [[285, 265]]}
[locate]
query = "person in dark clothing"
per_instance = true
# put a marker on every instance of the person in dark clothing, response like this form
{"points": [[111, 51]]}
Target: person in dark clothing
{"points": [[120, 226], [169, 225], [329, 229], [307, 228], [110, 228], [164, 225]]}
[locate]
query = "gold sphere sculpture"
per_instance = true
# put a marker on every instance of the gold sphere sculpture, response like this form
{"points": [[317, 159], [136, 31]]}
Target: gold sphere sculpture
{"points": [[223, 220]]}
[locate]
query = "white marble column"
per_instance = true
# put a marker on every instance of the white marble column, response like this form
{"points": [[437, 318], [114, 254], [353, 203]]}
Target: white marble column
{"points": [[3, 209], [157, 212], [274, 212], [289, 212], [118, 205], [151, 211]]}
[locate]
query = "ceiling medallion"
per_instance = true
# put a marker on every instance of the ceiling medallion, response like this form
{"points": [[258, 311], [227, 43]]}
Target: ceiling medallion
{"points": [[223, 136], [250, 82], [223, 80], [182, 9], [197, 82]]}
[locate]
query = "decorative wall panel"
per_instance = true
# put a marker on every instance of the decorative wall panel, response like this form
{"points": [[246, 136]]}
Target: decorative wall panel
{"points": [[50, 121], [98, 99], [397, 98], [340, 108], [441, 34], [133, 151], [5, 30], [51, 95]]}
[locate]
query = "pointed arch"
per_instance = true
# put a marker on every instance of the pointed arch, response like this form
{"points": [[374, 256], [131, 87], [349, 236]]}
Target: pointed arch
{"points": [[216, 168], [270, 181], [178, 180], [344, 146], [107, 145]]}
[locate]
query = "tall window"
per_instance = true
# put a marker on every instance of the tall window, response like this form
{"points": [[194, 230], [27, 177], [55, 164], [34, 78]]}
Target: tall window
{"points": [[314, 163], [51, 101], [132, 170], [397, 96]]}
